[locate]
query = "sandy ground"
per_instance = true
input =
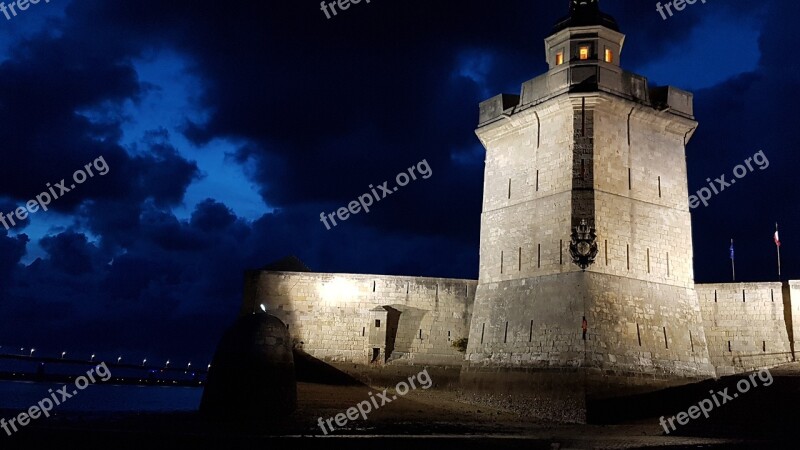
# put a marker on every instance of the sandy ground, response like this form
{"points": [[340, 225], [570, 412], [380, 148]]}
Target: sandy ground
{"points": [[426, 419]]}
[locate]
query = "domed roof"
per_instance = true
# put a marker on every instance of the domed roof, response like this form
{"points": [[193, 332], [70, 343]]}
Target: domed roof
{"points": [[584, 13], [290, 263]]}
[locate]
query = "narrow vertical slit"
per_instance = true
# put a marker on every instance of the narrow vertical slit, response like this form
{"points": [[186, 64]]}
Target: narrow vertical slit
{"points": [[530, 336], [374, 285], [659, 187], [509, 188], [715, 296], [520, 259], [537, 181], [408, 285], [729, 346], [744, 296], [363, 331], [483, 329], [764, 346], [691, 340], [505, 335], [648, 260], [666, 342], [561, 252], [629, 127], [628, 255], [667, 263], [630, 179], [539, 257], [501, 262], [772, 295], [638, 335], [606, 250]]}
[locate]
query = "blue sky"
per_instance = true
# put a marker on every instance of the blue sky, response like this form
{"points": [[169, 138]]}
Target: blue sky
{"points": [[720, 47], [228, 131]]}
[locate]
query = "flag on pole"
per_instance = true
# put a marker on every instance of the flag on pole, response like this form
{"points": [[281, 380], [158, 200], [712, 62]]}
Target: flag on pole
{"points": [[732, 254], [777, 238]]}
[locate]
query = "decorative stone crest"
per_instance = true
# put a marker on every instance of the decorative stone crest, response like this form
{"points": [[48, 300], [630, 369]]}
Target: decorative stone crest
{"points": [[583, 247]]}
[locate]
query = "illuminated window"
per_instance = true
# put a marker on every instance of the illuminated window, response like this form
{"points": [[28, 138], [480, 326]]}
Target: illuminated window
{"points": [[609, 56], [559, 58], [584, 52]]}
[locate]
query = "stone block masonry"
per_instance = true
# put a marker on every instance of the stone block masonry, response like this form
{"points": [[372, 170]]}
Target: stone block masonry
{"points": [[367, 319], [746, 325]]}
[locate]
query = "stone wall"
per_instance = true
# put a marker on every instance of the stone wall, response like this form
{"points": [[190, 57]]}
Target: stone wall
{"points": [[745, 325], [525, 225], [634, 327], [622, 166], [335, 317], [642, 211], [791, 310]]}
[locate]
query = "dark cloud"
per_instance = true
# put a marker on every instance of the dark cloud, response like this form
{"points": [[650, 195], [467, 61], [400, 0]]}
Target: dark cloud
{"points": [[319, 110]]}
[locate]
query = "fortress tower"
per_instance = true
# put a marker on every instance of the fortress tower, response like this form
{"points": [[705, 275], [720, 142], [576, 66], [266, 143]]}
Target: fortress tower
{"points": [[586, 217]]}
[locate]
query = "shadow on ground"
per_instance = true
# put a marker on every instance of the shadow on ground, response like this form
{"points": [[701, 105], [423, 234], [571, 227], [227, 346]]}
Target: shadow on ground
{"points": [[762, 412], [311, 370]]}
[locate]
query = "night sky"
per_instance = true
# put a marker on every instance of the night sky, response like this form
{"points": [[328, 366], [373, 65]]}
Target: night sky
{"points": [[228, 127]]}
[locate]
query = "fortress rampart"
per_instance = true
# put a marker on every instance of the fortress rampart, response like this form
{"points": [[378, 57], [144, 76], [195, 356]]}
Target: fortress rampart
{"points": [[747, 324], [367, 319], [332, 317]]}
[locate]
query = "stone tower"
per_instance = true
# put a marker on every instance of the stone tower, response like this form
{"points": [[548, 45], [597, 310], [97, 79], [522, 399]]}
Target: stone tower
{"points": [[586, 223]]}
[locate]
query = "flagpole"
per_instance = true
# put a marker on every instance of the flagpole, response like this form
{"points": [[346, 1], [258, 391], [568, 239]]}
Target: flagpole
{"points": [[778, 246], [733, 262]]}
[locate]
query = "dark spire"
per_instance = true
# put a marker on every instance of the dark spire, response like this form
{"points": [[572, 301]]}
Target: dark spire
{"points": [[583, 13], [583, 5]]}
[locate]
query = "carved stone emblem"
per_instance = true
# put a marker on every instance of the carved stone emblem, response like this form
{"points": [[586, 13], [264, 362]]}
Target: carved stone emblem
{"points": [[583, 247]]}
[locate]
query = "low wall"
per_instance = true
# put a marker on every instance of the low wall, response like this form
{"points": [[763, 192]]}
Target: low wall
{"points": [[339, 317], [745, 325], [791, 291]]}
